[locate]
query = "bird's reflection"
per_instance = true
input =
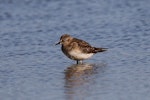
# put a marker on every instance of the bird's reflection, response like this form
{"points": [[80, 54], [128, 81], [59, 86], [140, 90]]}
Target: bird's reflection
{"points": [[78, 70], [78, 78]]}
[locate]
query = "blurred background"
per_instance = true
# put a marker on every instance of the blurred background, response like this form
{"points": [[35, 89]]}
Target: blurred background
{"points": [[33, 68]]}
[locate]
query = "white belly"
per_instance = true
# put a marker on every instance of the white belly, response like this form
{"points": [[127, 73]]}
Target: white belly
{"points": [[79, 55]]}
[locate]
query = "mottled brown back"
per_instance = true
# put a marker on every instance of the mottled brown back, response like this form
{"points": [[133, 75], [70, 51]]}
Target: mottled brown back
{"points": [[86, 47]]}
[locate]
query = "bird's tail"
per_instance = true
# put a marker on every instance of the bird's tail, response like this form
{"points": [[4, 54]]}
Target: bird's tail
{"points": [[100, 49]]}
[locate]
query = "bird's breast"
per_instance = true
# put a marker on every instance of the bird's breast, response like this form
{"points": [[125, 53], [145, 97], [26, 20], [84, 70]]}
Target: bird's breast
{"points": [[78, 55]]}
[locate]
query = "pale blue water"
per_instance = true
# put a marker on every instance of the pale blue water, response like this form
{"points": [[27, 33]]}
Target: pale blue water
{"points": [[33, 68]]}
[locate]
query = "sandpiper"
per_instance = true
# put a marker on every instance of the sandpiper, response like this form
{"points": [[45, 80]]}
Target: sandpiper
{"points": [[77, 49]]}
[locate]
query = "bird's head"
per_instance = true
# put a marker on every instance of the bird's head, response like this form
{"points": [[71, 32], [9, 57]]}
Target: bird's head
{"points": [[65, 39]]}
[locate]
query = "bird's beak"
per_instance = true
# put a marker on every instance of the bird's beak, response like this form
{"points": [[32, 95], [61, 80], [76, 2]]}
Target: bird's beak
{"points": [[58, 43]]}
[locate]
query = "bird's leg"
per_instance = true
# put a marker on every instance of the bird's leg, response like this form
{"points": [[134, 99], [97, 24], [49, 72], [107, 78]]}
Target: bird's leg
{"points": [[79, 62]]}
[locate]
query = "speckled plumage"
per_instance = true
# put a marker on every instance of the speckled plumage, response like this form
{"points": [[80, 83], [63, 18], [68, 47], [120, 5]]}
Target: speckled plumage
{"points": [[77, 49]]}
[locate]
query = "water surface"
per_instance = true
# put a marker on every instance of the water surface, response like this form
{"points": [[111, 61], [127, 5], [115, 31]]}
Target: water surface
{"points": [[33, 68]]}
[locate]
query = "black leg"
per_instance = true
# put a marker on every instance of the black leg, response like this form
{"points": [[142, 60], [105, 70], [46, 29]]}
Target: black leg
{"points": [[79, 62]]}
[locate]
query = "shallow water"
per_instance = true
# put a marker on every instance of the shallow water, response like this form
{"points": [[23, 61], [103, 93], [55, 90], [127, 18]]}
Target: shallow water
{"points": [[32, 67]]}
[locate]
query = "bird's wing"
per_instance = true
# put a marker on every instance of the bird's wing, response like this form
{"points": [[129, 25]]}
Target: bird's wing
{"points": [[84, 46]]}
